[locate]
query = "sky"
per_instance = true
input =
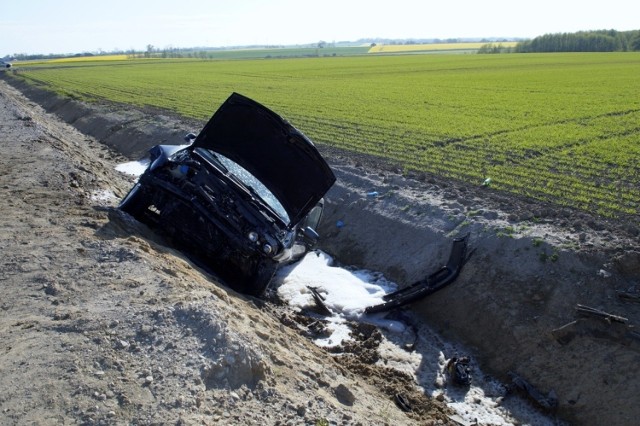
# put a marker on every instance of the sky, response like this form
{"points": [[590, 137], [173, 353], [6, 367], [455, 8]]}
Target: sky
{"points": [[75, 26]]}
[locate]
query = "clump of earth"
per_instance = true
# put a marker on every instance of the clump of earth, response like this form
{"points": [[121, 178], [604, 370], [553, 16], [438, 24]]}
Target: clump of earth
{"points": [[103, 322]]}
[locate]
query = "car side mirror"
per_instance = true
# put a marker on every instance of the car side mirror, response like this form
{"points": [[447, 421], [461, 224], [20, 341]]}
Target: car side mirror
{"points": [[310, 236], [313, 218]]}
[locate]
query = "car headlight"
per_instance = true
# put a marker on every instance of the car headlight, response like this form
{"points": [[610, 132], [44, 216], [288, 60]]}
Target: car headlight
{"points": [[253, 236]]}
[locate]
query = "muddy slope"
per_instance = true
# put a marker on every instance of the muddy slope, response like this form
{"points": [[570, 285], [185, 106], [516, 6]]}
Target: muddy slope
{"points": [[515, 301]]}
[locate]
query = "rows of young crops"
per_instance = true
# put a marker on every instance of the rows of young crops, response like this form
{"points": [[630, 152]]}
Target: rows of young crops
{"points": [[558, 127]]}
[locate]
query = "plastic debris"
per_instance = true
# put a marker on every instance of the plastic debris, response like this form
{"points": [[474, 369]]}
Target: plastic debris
{"points": [[459, 370], [403, 403], [434, 282], [549, 401]]}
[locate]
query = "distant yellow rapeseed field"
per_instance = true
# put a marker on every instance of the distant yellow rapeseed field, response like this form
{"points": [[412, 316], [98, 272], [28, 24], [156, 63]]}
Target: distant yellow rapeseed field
{"points": [[400, 48]]}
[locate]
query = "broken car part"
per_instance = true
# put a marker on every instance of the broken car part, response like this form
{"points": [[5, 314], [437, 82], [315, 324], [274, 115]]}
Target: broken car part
{"points": [[434, 282], [549, 402], [593, 312], [459, 369], [318, 298], [598, 324], [402, 403], [241, 198]]}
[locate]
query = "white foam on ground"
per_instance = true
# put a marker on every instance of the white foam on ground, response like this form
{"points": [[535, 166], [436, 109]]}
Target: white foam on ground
{"points": [[133, 168], [103, 195], [346, 293]]}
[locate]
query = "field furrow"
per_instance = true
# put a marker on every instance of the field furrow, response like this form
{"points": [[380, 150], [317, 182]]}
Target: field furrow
{"points": [[562, 128]]}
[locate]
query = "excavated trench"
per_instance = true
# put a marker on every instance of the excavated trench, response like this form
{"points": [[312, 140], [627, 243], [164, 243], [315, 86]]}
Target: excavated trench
{"points": [[528, 272]]}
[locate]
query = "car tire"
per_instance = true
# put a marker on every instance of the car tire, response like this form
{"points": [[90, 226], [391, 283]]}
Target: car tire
{"points": [[257, 284]]}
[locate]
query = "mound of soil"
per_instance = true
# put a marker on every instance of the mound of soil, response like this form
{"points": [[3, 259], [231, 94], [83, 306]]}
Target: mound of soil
{"points": [[515, 302]]}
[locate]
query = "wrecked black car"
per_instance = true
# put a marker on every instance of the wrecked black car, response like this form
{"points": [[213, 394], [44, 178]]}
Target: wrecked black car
{"points": [[242, 197]]}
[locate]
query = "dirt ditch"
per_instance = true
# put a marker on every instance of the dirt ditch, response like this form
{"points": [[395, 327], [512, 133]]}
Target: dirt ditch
{"points": [[514, 303]]}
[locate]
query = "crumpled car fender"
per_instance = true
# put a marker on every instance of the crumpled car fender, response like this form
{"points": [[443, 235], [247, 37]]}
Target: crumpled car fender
{"points": [[159, 154]]}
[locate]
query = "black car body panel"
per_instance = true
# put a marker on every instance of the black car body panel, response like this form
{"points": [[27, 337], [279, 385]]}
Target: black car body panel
{"points": [[239, 225], [272, 150]]}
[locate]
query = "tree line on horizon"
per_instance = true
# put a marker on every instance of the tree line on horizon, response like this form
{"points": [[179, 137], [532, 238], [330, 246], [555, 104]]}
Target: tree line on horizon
{"points": [[583, 41]]}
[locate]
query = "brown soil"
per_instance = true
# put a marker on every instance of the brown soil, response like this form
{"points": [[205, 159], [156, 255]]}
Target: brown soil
{"points": [[102, 322]]}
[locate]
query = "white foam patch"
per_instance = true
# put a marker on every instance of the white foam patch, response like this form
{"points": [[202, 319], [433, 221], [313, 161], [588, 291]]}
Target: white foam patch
{"points": [[340, 332], [103, 195], [134, 168], [346, 293]]}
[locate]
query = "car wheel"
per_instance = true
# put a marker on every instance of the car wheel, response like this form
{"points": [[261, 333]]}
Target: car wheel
{"points": [[258, 283], [135, 202]]}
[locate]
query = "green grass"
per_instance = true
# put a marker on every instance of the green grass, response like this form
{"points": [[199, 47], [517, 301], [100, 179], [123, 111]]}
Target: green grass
{"points": [[563, 128]]}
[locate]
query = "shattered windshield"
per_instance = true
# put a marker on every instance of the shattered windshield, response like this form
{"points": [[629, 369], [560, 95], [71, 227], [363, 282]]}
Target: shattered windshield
{"points": [[251, 182]]}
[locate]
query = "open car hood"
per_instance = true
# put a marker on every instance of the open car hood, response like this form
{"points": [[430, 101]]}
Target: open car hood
{"points": [[272, 150]]}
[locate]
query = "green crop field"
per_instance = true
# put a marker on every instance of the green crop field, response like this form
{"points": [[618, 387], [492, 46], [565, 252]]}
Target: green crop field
{"points": [[563, 128]]}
